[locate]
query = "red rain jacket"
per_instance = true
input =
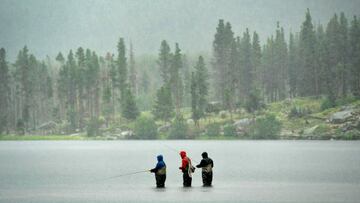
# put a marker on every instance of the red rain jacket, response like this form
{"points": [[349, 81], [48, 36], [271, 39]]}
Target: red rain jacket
{"points": [[184, 162]]}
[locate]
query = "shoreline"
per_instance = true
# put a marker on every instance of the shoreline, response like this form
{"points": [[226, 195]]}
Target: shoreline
{"points": [[85, 138]]}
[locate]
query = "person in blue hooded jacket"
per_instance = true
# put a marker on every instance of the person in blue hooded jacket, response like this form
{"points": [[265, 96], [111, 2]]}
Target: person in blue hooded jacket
{"points": [[160, 172]]}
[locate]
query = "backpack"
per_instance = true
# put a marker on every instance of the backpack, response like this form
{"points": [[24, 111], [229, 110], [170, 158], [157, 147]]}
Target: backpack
{"points": [[191, 168]]}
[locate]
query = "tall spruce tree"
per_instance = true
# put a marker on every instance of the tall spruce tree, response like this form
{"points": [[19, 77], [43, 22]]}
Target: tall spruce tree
{"points": [[132, 72], [333, 58], [246, 65], [164, 61], [176, 83], [122, 66], [256, 58], [129, 109], [222, 46], [199, 90], [292, 66], [344, 55], [4, 92], [163, 108], [307, 74], [281, 60], [354, 55]]}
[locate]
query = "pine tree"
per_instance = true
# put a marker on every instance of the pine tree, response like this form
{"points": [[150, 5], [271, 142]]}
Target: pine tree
{"points": [[23, 78], [71, 92], [355, 56], [321, 58], [194, 99], [293, 66], [4, 92], [333, 58], [145, 82], [199, 90], [246, 65], [307, 74], [122, 66], [81, 81], [344, 53], [256, 58], [176, 84], [60, 58], [113, 78], [163, 108], [281, 60], [129, 109], [132, 70], [269, 70], [164, 61], [234, 77], [222, 45], [187, 81]]}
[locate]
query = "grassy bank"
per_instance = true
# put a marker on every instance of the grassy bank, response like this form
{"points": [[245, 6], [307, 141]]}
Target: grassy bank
{"points": [[40, 137], [300, 118]]}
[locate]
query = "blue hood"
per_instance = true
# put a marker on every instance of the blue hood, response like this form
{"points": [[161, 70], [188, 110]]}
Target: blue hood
{"points": [[160, 164], [160, 158]]}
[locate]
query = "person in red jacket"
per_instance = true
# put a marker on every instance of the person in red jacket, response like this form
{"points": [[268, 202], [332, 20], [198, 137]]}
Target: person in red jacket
{"points": [[187, 169]]}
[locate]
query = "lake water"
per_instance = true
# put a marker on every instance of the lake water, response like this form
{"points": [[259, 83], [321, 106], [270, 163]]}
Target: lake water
{"points": [[244, 171]]}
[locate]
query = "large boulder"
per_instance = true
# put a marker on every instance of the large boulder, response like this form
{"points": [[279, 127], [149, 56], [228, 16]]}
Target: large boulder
{"points": [[190, 121], [242, 123], [341, 116], [164, 128], [310, 131], [48, 126], [126, 134]]}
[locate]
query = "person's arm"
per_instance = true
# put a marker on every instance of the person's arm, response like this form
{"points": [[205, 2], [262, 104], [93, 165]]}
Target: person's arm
{"points": [[154, 170], [157, 167], [202, 164], [183, 164]]}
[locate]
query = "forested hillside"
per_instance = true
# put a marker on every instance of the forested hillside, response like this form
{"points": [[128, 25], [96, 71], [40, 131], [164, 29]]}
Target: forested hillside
{"points": [[171, 95]]}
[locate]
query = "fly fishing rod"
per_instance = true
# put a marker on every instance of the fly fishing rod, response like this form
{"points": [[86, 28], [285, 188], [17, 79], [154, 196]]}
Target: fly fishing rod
{"points": [[177, 151], [126, 174]]}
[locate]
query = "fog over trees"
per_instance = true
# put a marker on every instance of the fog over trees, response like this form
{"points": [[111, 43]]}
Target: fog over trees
{"points": [[233, 55]]}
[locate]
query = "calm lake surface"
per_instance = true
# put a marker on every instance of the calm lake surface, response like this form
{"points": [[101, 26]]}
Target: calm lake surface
{"points": [[244, 171]]}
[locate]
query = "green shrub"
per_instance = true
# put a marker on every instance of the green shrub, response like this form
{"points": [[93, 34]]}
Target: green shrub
{"points": [[267, 127], [230, 130], [327, 104], [298, 112], [345, 100], [179, 128], [20, 127], [351, 135], [223, 114], [145, 128], [93, 127], [213, 129], [213, 107], [253, 102]]}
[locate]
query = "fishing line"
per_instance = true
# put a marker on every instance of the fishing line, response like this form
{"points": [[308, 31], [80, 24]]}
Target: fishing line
{"points": [[124, 174], [177, 151]]}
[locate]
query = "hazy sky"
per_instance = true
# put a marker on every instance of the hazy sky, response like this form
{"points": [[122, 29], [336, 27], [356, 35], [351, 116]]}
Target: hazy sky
{"points": [[50, 26]]}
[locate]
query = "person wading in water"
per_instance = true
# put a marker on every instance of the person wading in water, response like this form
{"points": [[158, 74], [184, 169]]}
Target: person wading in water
{"points": [[187, 169], [160, 172], [207, 174]]}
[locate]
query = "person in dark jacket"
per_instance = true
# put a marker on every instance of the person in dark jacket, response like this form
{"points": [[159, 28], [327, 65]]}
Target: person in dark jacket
{"points": [[160, 172], [207, 173], [186, 168]]}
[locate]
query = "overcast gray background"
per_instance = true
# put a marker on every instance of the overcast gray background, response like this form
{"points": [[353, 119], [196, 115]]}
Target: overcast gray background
{"points": [[50, 26]]}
